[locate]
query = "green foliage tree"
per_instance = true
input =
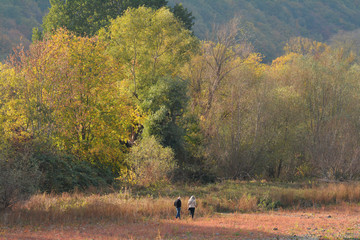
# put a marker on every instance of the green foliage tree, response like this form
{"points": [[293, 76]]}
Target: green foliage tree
{"points": [[183, 15], [86, 18], [151, 44], [166, 102]]}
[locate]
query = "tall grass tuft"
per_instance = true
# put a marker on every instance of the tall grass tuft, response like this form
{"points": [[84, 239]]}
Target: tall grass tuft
{"points": [[247, 203]]}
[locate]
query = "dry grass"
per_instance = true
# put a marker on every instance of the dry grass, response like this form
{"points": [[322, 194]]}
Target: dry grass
{"points": [[125, 206], [321, 195], [333, 222], [69, 208]]}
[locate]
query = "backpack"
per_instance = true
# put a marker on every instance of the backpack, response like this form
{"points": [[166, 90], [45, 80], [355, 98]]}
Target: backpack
{"points": [[175, 203]]}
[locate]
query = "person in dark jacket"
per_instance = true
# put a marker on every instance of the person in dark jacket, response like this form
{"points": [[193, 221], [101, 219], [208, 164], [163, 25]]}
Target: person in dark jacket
{"points": [[177, 204]]}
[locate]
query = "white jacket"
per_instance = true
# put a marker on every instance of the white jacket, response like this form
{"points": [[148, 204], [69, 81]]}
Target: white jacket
{"points": [[192, 202]]}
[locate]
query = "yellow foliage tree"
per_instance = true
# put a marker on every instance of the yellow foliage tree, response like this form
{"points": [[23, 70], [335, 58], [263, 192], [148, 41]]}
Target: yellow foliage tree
{"points": [[73, 94]]}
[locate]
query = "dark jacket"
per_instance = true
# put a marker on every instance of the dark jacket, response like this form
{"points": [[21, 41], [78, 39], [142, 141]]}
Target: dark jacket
{"points": [[177, 203]]}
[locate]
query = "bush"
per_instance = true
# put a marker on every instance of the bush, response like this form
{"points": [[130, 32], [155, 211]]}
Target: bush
{"points": [[62, 173], [266, 202], [19, 174], [150, 161]]}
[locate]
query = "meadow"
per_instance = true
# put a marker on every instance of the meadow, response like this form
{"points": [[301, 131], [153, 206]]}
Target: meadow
{"points": [[279, 209]]}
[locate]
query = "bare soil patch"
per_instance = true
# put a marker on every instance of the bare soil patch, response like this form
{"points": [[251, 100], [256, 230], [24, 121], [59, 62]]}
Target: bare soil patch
{"points": [[336, 222]]}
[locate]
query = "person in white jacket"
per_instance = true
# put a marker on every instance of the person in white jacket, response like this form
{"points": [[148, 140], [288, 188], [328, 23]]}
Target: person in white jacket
{"points": [[192, 205]]}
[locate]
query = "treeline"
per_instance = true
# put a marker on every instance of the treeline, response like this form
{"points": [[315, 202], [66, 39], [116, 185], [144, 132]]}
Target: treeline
{"points": [[271, 24], [142, 101]]}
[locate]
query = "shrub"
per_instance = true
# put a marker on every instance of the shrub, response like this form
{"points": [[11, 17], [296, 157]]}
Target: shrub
{"points": [[247, 203], [62, 173], [267, 203], [150, 161], [19, 175]]}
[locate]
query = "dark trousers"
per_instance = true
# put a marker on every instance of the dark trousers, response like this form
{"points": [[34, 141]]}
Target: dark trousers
{"points": [[192, 212], [178, 210]]}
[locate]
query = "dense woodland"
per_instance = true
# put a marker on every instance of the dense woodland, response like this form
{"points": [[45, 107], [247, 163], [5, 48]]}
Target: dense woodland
{"points": [[17, 19], [271, 23], [137, 99]]}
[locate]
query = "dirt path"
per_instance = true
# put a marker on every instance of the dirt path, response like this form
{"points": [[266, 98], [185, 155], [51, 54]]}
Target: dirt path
{"points": [[334, 223]]}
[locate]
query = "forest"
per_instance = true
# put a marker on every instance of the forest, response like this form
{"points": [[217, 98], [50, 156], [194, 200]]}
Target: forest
{"points": [[271, 23], [268, 24], [17, 19], [123, 93]]}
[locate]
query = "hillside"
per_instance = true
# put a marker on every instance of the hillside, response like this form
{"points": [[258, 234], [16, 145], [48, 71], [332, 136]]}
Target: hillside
{"points": [[275, 21], [271, 22], [17, 18]]}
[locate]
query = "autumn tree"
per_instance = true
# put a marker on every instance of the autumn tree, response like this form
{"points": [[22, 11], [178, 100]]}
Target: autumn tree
{"points": [[72, 95], [234, 125], [282, 121], [85, 18], [19, 172], [293, 118], [309, 113], [217, 60], [217, 83], [151, 44], [348, 41], [330, 89], [304, 46]]}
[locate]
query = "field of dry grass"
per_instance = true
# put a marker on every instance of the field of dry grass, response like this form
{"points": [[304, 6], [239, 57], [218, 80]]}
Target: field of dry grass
{"points": [[228, 210], [329, 223]]}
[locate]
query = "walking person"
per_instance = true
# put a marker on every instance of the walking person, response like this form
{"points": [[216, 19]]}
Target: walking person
{"points": [[177, 204], [192, 205]]}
